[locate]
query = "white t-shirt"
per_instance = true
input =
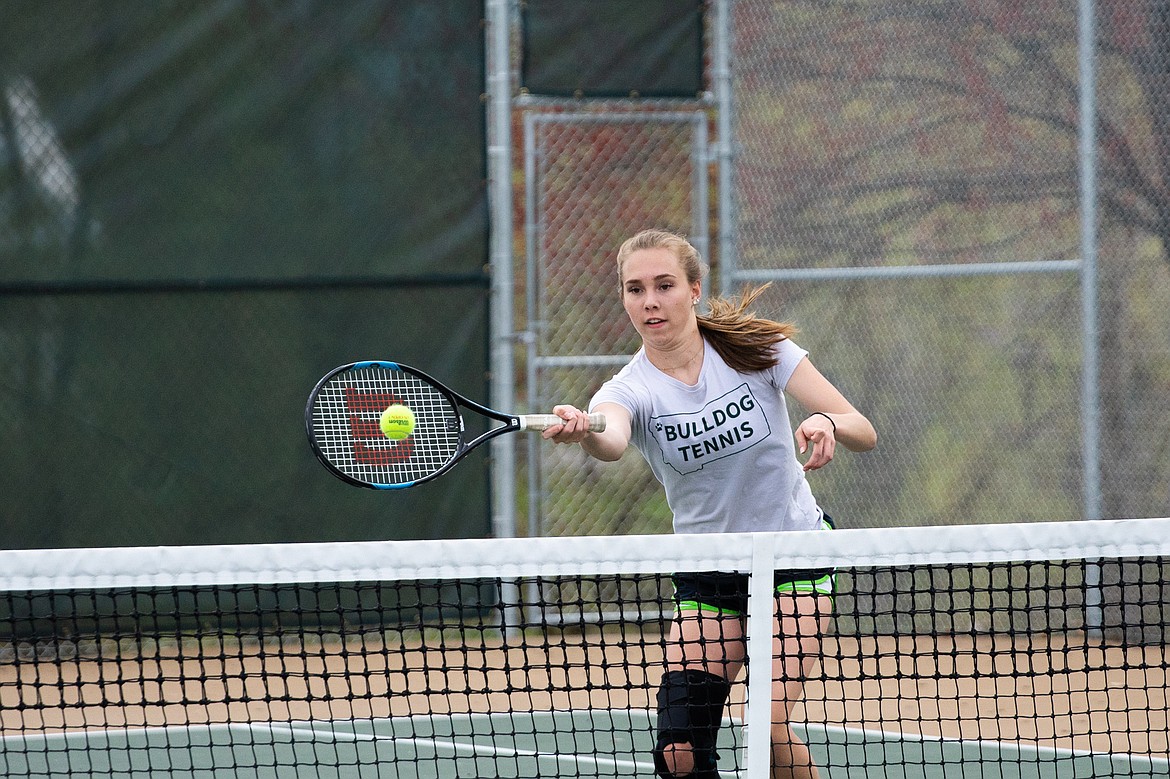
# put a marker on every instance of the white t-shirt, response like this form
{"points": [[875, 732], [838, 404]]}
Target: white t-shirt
{"points": [[723, 449]]}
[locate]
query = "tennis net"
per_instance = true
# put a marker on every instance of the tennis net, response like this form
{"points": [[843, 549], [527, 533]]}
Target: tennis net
{"points": [[1018, 650]]}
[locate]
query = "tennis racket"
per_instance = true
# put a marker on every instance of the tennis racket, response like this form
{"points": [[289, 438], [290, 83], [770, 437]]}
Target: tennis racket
{"points": [[344, 409]]}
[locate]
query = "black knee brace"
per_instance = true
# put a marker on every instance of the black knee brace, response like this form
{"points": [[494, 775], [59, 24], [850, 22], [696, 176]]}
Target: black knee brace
{"points": [[690, 710]]}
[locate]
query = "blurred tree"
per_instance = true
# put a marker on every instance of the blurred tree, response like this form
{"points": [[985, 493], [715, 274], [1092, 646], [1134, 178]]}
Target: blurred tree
{"points": [[947, 132]]}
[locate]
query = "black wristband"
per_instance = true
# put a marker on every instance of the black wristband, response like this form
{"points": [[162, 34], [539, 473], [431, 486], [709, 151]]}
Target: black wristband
{"points": [[826, 416]]}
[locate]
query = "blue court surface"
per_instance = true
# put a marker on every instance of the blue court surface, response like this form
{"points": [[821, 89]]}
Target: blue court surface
{"points": [[588, 743]]}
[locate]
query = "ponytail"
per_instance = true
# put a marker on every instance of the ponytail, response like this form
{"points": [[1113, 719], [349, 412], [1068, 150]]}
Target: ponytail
{"points": [[744, 341]]}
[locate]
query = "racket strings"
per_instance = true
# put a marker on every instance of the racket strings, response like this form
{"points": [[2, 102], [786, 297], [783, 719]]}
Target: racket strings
{"points": [[346, 425]]}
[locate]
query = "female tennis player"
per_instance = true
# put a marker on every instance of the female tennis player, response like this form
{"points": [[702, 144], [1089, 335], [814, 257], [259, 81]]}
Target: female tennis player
{"points": [[704, 401]]}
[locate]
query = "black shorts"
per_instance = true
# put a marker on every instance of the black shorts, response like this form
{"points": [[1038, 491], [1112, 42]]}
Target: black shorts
{"points": [[727, 593]]}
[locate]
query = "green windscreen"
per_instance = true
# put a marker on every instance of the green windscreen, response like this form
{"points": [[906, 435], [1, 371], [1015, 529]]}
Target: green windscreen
{"points": [[203, 208], [652, 48]]}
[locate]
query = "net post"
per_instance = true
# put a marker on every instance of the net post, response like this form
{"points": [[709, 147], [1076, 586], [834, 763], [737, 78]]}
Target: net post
{"points": [[758, 712]]}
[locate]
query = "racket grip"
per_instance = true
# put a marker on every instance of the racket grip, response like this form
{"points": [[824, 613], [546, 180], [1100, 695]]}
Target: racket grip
{"points": [[538, 422]]}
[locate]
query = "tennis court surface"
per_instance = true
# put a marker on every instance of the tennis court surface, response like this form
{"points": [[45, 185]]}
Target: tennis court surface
{"points": [[993, 651], [547, 744]]}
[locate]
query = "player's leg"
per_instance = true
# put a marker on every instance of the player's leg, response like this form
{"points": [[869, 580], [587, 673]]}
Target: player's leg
{"points": [[804, 606], [705, 651], [801, 619]]}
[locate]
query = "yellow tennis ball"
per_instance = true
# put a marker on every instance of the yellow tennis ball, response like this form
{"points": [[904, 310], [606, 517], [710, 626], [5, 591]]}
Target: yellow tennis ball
{"points": [[397, 422]]}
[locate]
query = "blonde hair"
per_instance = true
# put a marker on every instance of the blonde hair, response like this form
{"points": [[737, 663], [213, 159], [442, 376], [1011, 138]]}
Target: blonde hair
{"points": [[688, 256], [745, 341]]}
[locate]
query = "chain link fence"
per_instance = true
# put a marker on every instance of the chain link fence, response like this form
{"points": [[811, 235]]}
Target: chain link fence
{"points": [[590, 175], [912, 179], [900, 150]]}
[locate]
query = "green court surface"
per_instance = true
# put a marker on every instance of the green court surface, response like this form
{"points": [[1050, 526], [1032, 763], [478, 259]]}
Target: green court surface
{"points": [[590, 743]]}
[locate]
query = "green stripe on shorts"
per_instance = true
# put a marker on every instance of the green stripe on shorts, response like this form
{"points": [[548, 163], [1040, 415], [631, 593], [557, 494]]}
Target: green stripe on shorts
{"points": [[694, 605], [826, 585]]}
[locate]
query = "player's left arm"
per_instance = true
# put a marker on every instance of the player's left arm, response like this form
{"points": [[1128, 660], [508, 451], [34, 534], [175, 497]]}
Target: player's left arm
{"points": [[831, 417]]}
